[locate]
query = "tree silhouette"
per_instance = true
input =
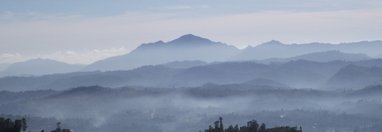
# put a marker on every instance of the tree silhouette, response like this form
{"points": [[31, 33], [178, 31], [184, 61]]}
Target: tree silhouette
{"points": [[7, 125], [262, 128], [252, 126]]}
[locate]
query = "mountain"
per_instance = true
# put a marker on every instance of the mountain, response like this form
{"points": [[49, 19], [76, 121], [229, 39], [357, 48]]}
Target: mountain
{"points": [[298, 74], [369, 63], [276, 49], [186, 47], [295, 74], [369, 91], [82, 91], [39, 67], [355, 77], [325, 56], [143, 76], [265, 82], [184, 64], [333, 55]]}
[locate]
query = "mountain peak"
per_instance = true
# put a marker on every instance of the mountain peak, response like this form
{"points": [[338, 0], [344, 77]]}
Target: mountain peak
{"points": [[190, 38], [272, 43], [185, 40]]}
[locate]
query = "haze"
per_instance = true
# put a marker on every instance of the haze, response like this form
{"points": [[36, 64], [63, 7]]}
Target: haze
{"points": [[83, 32], [177, 66]]}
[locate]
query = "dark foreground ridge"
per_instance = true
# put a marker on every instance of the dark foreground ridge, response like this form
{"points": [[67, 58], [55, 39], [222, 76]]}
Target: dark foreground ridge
{"points": [[252, 126], [8, 125]]}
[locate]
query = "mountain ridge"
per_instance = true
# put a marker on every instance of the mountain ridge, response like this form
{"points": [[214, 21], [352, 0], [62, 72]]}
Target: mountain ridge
{"points": [[276, 49], [324, 56], [35, 67], [186, 47]]}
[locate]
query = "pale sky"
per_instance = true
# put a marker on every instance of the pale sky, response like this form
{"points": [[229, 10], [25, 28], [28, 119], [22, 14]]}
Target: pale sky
{"points": [[83, 31]]}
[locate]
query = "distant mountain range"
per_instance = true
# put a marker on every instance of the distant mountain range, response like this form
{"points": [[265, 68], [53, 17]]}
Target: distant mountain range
{"points": [[295, 74], [370, 91], [190, 48], [182, 85], [38, 67], [192, 61], [325, 56], [184, 64], [187, 47], [276, 49], [355, 77]]}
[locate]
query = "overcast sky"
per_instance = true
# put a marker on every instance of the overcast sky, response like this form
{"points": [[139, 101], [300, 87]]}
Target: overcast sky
{"points": [[83, 31]]}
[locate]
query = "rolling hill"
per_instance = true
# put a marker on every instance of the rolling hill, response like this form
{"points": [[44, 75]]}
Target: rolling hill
{"points": [[37, 67]]}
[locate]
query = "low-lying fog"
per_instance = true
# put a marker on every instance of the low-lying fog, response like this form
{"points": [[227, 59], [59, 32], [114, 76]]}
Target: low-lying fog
{"points": [[138, 109], [334, 96]]}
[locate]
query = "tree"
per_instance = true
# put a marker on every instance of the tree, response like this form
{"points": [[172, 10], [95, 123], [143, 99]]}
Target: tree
{"points": [[7, 125], [230, 129], [252, 126], [24, 124], [221, 124], [262, 128], [236, 128]]}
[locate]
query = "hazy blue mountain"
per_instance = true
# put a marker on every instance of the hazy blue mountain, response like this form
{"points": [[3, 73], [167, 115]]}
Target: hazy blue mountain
{"points": [[265, 82], [187, 47], [276, 49], [296, 74], [184, 64], [143, 76], [190, 47], [219, 73], [161, 76], [258, 86], [369, 63], [332, 56], [355, 77], [300, 74], [39, 67], [4, 66], [10, 97], [369, 91], [325, 56], [85, 91]]}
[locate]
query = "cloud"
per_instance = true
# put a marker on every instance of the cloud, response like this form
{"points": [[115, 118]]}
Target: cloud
{"points": [[72, 57], [12, 57], [85, 57]]}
